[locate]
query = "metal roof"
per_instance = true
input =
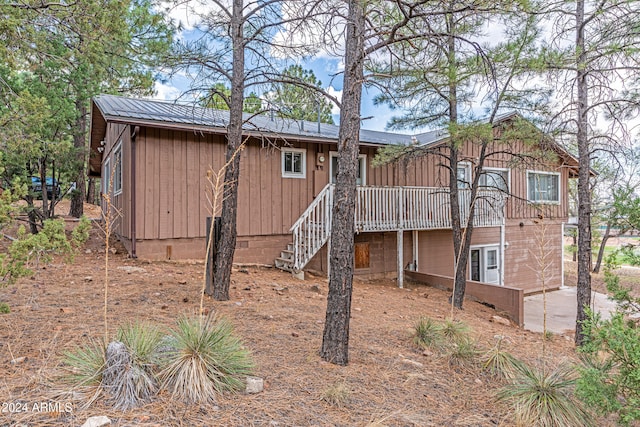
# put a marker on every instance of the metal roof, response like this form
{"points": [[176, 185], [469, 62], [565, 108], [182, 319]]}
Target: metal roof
{"points": [[137, 110]]}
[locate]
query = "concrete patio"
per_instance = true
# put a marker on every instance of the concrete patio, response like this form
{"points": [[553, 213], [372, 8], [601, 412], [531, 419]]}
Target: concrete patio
{"points": [[561, 310]]}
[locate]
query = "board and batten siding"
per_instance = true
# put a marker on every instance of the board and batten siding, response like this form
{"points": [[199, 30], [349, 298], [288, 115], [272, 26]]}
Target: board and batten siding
{"points": [[118, 134], [172, 186]]}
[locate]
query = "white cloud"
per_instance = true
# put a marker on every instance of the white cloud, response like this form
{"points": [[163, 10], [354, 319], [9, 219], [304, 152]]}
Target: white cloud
{"points": [[166, 92], [335, 93]]}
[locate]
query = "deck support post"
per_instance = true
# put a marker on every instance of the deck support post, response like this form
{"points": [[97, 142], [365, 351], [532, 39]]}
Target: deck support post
{"points": [[414, 242], [400, 259], [328, 258]]}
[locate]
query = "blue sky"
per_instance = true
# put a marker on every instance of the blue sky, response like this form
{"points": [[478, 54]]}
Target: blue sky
{"points": [[327, 69]]}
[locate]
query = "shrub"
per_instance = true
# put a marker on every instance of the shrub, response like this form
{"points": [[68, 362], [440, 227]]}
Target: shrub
{"points": [[4, 308], [80, 233], [539, 397], [610, 373], [204, 359]]}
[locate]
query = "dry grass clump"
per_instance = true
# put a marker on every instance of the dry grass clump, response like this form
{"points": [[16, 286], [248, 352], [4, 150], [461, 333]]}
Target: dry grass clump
{"points": [[337, 395]]}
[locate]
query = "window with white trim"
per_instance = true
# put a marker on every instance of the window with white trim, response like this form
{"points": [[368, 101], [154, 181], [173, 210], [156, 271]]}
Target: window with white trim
{"points": [[543, 187], [294, 164], [117, 175], [495, 179], [464, 175], [106, 176], [361, 173]]}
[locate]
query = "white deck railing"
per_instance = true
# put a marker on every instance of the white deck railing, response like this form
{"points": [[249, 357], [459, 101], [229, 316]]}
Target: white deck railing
{"points": [[422, 208], [391, 209]]}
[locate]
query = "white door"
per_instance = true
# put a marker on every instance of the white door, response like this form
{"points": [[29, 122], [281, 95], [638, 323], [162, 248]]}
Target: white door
{"points": [[484, 264], [491, 265]]}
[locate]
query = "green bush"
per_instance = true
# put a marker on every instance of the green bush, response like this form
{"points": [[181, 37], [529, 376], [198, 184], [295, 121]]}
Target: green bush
{"points": [[4, 308], [29, 250], [610, 373]]}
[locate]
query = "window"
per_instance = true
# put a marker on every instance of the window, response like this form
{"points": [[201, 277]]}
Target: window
{"points": [[543, 187], [117, 175], [494, 178], [361, 178], [464, 175], [294, 163], [106, 176]]}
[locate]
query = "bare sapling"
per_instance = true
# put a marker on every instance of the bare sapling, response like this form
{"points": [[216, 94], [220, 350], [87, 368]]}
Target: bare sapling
{"points": [[543, 265], [110, 214], [215, 196]]}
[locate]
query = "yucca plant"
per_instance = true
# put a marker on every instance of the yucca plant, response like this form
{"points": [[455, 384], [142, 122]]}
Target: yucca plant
{"points": [[427, 333], [500, 363], [129, 376], [463, 352], [454, 330], [142, 339], [204, 359], [85, 364], [545, 398]]}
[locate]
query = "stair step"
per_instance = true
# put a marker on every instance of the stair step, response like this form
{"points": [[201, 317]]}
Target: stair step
{"points": [[284, 264]]}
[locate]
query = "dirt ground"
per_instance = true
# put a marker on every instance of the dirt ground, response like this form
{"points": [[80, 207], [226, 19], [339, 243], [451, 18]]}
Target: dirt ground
{"points": [[388, 381]]}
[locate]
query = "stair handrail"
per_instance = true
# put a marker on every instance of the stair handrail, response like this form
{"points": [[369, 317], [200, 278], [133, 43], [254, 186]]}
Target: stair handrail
{"points": [[325, 198]]}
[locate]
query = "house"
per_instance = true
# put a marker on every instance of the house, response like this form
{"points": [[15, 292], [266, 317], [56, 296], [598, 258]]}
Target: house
{"points": [[159, 153]]}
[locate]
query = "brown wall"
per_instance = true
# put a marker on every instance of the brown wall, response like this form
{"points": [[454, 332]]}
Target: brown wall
{"points": [[505, 299], [382, 253], [172, 205], [526, 251]]}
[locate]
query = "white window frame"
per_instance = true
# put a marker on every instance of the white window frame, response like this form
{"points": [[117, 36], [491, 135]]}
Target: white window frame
{"points": [[467, 172], [361, 157], [544, 202], [291, 174], [117, 175], [106, 176], [492, 169]]}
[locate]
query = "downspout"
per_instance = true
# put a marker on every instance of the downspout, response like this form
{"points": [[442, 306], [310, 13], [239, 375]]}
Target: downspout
{"points": [[502, 248], [562, 255], [134, 134]]}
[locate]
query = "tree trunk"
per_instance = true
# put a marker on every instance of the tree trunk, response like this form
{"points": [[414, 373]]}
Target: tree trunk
{"points": [[335, 339], [603, 244], [224, 256], [584, 187], [91, 191], [79, 141]]}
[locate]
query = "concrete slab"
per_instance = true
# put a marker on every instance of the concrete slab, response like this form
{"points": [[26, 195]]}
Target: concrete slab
{"points": [[561, 310]]}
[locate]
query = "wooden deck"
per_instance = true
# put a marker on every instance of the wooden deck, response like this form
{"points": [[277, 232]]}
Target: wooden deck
{"points": [[380, 209]]}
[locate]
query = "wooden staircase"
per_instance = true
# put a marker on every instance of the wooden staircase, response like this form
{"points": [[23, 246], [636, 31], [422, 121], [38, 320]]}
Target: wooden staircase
{"points": [[382, 209]]}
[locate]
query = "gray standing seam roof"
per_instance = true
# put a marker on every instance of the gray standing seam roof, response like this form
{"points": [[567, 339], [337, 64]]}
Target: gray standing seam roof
{"points": [[119, 108]]}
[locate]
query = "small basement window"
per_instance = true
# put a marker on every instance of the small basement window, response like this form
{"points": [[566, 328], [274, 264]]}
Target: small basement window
{"points": [[294, 163]]}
